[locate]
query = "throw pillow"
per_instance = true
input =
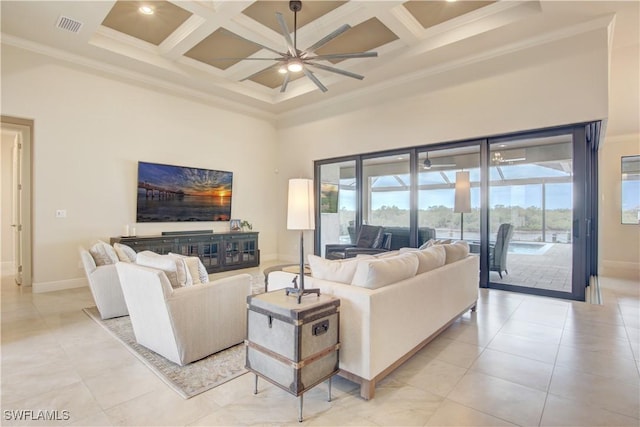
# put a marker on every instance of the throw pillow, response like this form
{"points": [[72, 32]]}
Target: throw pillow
{"points": [[428, 244], [162, 262], [195, 268], [125, 253], [196, 271], [103, 253], [433, 242], [182, 274], [334, 270], [456, 251], [376, 273]]}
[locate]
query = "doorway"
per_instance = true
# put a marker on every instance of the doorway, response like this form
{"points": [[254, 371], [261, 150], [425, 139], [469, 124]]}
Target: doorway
{"points": [[531, 208], [15, 222]]}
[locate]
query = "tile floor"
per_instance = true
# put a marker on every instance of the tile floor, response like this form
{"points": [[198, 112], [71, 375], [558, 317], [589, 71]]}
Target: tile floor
{"points": [[519, 360]]}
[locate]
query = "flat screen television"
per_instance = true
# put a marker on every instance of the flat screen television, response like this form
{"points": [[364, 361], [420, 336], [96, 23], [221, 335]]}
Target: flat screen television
{"points": [[168, 193]]}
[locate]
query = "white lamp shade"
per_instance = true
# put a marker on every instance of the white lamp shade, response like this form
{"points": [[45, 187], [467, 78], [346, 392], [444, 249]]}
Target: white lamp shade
{"points": [[463, 193], [300, 214]]}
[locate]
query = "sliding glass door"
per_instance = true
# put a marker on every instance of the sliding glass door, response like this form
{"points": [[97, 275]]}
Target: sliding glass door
{"points": [[526, 204], [443, 175], [386, 195], [530, 210], [337, 205]]}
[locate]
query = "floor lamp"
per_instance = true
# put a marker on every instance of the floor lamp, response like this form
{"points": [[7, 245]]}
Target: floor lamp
{"points": [[300, 216], [462, 203]]}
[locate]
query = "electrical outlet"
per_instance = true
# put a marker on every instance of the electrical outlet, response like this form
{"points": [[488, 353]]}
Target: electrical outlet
{"points": [[61, 213]]}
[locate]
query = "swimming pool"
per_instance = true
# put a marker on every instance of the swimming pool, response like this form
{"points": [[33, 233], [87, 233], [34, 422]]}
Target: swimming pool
{"points": [[528, 248]]}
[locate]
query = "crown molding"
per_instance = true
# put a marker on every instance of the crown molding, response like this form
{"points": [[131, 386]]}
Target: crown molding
{"points": [[119, 72]]}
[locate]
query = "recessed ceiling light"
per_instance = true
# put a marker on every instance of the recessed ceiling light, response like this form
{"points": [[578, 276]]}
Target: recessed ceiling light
{"points": [[282, 69], [146, 10]]}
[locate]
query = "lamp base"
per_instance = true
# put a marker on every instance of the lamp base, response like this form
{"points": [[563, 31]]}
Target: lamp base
{"points": [[300, 292]]}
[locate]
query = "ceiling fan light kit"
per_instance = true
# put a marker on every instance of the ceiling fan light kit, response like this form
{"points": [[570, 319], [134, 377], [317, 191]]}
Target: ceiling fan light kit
{"points": [[295, 60]]}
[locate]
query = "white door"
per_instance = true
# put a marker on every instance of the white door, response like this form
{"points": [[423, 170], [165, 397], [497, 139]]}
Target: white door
{"points": [[16, 135], [16, 198]]}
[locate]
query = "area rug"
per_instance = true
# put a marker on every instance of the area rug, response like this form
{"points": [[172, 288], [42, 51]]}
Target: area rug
{"points": [[187, 381]]}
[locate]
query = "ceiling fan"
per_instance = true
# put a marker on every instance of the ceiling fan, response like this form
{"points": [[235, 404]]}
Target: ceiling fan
{"points": [[427, 164], [295, 60]]}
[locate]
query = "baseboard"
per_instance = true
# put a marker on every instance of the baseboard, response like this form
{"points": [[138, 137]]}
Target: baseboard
{"points": [[268, 257], [58, 285], [288, 259], [620, 269]]}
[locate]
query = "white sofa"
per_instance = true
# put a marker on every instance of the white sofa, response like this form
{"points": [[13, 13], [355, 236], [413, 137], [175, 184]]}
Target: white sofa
{"points": [[187, 323], [382, 328]]}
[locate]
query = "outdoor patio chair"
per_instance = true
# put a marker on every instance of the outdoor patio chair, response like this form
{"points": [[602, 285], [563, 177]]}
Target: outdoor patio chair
{"points": [[498, 250]]}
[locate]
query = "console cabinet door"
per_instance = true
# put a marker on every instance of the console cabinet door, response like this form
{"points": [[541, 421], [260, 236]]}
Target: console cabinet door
{"points": [[241, 250], [207, 248]]}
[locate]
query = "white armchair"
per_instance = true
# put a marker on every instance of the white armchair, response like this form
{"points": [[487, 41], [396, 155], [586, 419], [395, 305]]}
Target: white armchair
{"points": [[187, 323], [105, 287]]}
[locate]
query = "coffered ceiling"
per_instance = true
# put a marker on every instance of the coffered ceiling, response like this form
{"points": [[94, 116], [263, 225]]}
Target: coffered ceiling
{"points": [[185, 46]]}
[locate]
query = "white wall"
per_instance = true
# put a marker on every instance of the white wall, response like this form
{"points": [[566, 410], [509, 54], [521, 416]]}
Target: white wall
{"points": [[89, 133], [619, 243], [550, 85]]}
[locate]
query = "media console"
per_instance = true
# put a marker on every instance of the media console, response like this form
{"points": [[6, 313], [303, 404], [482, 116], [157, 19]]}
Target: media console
{"points": [[217, 251]]}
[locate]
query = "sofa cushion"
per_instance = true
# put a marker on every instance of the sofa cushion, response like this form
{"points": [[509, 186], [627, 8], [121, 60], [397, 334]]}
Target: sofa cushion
{"points": [[103, 253], [341, 271], [378, 272], [125, 253], [429, 258], [456, 251]]}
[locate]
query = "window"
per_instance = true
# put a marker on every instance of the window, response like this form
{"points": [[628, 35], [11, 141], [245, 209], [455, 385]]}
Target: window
{"points": [[630, 198]]}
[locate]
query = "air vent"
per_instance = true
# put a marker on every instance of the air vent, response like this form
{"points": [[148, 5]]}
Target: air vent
{"points": [[69, 24]]}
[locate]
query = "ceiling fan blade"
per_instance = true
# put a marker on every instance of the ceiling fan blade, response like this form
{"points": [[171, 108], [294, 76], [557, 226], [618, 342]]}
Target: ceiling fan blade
{"points": [[247, 59], [314, 79], [327, 39], [345, 55], [284, 83], [256, 43], [335, 70], [285, 33], [261, 71]]}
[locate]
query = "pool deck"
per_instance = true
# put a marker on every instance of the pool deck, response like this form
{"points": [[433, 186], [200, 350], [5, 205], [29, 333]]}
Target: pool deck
{"points": [[549, 270]]}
